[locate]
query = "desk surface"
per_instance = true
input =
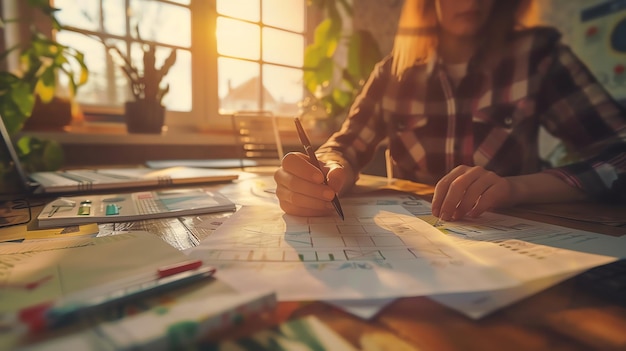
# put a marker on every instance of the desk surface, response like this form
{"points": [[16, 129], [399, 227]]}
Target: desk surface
{"points": [[563, 317]]}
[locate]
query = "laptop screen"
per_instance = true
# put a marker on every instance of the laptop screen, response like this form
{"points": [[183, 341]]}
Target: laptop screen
{"points": [[13, 181]]}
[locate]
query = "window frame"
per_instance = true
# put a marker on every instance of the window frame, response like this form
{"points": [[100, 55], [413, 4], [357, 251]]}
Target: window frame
{"points": [[204, 115]]}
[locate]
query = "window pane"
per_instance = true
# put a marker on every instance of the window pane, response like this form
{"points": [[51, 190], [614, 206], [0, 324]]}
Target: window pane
{"points": [[98, 90], [285, 89], [237, 38], [238, 85], [242, 9], [160, 22], [118, 90], [79, 13], [179, 79], [114, 15], [283, 47], [287, 14]]}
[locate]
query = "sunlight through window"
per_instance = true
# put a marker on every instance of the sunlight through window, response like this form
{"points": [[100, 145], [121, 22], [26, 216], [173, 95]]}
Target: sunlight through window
{"points": [[255, 57], [261, 53]]}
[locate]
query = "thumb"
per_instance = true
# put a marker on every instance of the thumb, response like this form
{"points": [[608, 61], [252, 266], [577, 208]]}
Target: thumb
{"points": [[336, 176]]}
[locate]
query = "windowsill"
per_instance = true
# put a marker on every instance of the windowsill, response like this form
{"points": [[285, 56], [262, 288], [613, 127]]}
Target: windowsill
{"points": [[107, 143], [116, 134]]}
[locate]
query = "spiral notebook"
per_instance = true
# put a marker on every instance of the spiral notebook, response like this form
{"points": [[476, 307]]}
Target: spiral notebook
{"points": [[17, 181]]}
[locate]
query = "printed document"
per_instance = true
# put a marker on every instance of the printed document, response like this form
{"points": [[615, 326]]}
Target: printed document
{"points": [[385, 251]]}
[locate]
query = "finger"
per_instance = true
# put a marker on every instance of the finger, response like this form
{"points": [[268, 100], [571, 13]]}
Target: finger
{"points": [[442, 189], [302, 205], [458, 195], [287, 184], [298, 164], [495, 196], [300, 196], [336, 176], [304, 199], [483, 181], [457, 192]]}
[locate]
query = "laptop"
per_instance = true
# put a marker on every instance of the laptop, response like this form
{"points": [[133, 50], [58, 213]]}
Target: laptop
{"points": [[16, 182]]}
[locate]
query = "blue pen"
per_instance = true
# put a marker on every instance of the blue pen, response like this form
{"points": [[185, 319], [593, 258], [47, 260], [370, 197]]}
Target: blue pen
{"points": [[70, 310]]}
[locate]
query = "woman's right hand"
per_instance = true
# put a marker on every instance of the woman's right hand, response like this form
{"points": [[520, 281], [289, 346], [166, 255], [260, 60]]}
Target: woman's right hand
{"points": [[300, 185]]}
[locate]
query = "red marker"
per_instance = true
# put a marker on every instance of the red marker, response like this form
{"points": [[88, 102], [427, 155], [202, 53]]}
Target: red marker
{"points": [[167, 271]]}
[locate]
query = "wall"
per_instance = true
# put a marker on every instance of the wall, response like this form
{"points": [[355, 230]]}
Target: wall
{"points": [[380, 17]]}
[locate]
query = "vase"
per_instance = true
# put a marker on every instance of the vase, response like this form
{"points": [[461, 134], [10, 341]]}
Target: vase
{"points": [[144, 116]]}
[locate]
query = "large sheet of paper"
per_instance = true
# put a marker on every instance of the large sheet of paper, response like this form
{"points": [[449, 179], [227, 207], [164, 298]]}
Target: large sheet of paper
{"points": [[384, 251], [41, 271]]}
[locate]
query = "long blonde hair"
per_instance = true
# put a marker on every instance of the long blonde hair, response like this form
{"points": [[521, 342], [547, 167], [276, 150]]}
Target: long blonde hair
{"points": [[417, 34]]}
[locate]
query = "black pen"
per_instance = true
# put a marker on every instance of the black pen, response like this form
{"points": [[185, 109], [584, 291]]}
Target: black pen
{"points": [[304, 139]]}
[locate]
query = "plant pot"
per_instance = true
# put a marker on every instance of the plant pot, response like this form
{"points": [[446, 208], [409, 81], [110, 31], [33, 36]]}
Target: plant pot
{"points": [[144, 116], [54, 115]]}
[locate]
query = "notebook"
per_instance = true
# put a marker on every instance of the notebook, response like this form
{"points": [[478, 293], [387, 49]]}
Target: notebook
{"points": [[16, 181], [74, 210]]}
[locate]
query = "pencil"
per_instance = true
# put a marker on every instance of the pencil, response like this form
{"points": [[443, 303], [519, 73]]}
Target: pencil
{"points": [[306, 143], [437, 222]]}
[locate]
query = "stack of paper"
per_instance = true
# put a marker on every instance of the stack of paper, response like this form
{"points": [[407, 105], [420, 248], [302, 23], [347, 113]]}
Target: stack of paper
{"points": [[43, 271]]}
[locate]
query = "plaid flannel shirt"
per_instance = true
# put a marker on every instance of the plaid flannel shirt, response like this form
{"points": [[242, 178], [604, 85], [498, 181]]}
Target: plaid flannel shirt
{"points": [[491, 119]]}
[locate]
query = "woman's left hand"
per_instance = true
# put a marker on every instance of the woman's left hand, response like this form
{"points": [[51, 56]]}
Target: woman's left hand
{"points": [[470, 191]]}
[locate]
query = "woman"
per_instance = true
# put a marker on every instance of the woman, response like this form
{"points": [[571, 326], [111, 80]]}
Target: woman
{"points": [[461, 99]]}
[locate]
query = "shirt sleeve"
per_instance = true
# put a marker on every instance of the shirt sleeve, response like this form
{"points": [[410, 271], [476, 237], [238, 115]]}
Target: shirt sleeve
{"points": [[362, 131], [590, 123]]}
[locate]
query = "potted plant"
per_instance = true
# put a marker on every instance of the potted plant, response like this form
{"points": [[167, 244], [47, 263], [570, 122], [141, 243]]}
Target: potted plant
{"points": [[334, 81], [146, 114], [34, 81]]}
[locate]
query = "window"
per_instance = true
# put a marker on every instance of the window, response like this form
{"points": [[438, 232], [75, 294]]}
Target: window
{"points": [[231, 54], [266, 72]]}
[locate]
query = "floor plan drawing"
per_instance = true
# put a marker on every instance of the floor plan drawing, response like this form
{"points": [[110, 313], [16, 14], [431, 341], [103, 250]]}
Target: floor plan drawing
{"points": [[384, 249], [363, 235]]}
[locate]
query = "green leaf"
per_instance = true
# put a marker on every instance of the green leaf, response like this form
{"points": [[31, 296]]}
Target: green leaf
{"points": [[84, 71], [328, 34], [13, 120], [72, 84], [319, 77], [39, 3], [38, 154], [40, 59], [23, 146], [313, 55], [21, 95], [7, 79], [52, 156], [342, 98], [46, 86], [363, 54], [48, 77]]}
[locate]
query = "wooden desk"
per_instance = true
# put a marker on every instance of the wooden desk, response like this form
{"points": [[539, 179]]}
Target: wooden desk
{"points": [[563, 317]]}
